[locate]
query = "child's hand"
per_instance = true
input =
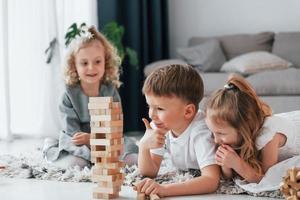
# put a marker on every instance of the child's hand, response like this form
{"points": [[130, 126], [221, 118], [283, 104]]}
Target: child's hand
{"points": [[149, 186], [81, 138], [153, 138], [226, 157]]}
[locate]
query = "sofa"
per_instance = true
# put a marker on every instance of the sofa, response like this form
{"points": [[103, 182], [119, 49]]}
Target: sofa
{"points": [[269, 61]]}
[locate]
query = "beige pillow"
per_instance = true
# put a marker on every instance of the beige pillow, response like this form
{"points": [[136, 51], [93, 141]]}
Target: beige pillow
{"points": [[254, 62]]}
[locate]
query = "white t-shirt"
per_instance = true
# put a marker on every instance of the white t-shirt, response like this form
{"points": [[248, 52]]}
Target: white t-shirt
{"points": [[287, 124], [193, 149]]}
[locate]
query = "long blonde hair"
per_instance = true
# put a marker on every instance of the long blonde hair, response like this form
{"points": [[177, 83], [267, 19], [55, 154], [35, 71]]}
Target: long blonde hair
{"points": [[112, 60], [239, 106]]}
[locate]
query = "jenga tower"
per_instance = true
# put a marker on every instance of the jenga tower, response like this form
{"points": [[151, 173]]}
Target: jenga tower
{"points": [[106, 146]]}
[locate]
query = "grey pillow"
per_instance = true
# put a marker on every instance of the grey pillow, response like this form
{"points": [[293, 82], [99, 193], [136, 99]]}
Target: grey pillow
{"points": [[279, 82], [161, 63], [287, 46], [206, 57], [234, 45]]}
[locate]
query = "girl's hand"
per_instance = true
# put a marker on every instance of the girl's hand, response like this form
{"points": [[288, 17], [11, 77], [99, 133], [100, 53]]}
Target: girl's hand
{"points": [[149, 186], [226, 157], [81, 138], [153, 139]]}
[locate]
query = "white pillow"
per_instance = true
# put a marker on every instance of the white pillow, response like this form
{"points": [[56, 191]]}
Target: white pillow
{"points": [[254, 62]]}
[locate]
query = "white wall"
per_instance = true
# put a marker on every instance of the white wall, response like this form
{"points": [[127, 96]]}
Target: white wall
{"points": [[189, 18]]}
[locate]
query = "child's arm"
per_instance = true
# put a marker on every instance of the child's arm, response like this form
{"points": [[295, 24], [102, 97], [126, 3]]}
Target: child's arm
{"points": [[227, 157], [208, 182], [148, 163], [227, 172], [270, 151]]}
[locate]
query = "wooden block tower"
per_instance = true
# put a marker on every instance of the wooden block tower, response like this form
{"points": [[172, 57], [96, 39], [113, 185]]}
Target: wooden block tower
{"points": [[107, 143]]}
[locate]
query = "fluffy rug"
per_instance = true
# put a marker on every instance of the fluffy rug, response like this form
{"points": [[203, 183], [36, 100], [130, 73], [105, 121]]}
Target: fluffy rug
{"points": [[33, 166]]}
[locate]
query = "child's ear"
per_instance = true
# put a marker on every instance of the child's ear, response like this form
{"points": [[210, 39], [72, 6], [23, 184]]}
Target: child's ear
{"points": [[190, 110]]}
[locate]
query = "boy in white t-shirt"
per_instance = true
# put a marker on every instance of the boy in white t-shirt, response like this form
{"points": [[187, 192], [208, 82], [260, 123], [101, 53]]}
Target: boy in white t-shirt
{"points": [[173, 94]]}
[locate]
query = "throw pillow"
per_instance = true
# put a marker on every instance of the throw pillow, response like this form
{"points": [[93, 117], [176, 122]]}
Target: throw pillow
{"points": [[161, 63], [206, 57], [254, 62], [238, 44], [287, 46]]}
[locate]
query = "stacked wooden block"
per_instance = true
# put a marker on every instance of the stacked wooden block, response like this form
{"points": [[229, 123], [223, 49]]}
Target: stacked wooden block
{"points": [[290, 186], [107, 143]]}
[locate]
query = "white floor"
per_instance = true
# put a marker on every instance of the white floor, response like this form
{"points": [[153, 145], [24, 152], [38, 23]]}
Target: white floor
{"points": [[31, 189]]}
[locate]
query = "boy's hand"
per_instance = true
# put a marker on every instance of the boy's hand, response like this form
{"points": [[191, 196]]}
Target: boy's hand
{"points": [[153, 139], [81, 138], [149, 186], [226, 157]]}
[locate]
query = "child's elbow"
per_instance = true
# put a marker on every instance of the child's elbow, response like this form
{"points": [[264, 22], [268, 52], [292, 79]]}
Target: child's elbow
{"points": [[149, 174]]}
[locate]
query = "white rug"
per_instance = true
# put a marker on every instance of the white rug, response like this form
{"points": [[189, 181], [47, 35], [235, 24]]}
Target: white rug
{"points": [[33, 166]]}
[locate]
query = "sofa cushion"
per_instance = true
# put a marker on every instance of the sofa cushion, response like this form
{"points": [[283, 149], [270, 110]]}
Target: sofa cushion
{"points": [[254, 62], [207, 57], [161, 63], [279, 82], [234, 45], [287, 46]]}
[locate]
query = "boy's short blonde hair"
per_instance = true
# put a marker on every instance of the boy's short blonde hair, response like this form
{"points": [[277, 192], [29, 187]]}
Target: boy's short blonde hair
{"points": [[182, 81], [112, 59]]}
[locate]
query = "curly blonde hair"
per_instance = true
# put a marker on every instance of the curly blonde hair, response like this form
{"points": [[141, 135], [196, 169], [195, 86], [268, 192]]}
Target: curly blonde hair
{"points": [[112, 59]]}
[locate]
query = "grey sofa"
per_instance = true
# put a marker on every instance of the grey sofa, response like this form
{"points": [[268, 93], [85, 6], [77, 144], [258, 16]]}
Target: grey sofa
{"points": [[280, 88]]}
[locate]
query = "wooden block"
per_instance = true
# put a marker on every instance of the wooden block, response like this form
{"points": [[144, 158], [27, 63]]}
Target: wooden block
{"points": [[97, 196], [293, 197], [95, 124], [118, 182], [96, 154], [107, 124], [294, 185], [116, 123], [107, 178], [154, 197], [103, 171], [107, 190], [110, 117], [105, 159], [106, 135], [105, 111], [100, 99], [293, 192], [117, 147], [107, 142], [105, 105], [298, 175], [292, 173], [115, 129], [115, 165]]}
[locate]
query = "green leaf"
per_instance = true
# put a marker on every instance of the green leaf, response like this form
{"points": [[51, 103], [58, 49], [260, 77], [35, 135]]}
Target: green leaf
{"points": [[114, 33], [133, 58]]}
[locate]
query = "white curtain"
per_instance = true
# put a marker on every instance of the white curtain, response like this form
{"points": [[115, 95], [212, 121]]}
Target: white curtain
{"points": [[35, 87]]}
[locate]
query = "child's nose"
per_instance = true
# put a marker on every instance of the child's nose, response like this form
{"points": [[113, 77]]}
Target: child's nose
{"points": [[217, 140], [152, 114]]}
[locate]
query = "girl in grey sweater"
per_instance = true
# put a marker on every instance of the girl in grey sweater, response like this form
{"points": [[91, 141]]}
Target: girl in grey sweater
{"points": [[91, 70]]}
